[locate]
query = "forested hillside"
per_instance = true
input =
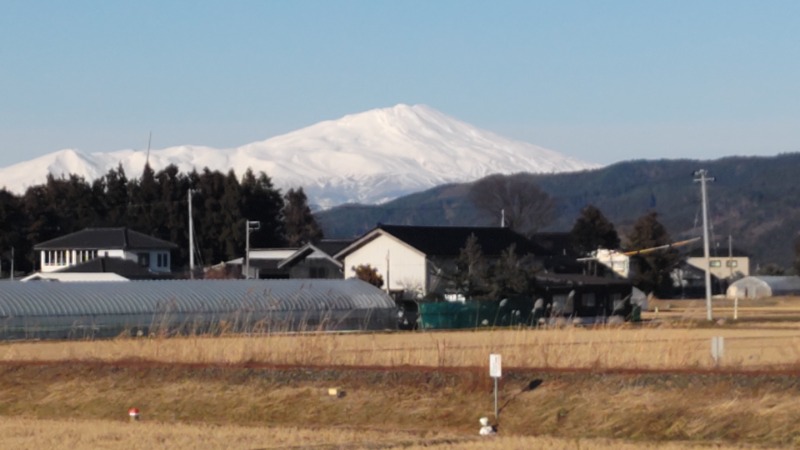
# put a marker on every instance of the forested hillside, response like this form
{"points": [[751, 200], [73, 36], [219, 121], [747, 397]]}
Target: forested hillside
{"points": [[754, 200], [156, 203]]}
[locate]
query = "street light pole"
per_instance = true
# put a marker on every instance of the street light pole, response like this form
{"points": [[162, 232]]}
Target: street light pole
{"points": [[249, 225], [702, 177], [191, 238]]}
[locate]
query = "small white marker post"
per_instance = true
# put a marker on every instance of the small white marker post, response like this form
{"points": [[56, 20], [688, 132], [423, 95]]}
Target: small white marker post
{"points": [[495, 371], [717, 348]]}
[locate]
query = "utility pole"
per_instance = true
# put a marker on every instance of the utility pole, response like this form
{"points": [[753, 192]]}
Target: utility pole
{"points": [[702, 177], [191, 238], [249, 225]]}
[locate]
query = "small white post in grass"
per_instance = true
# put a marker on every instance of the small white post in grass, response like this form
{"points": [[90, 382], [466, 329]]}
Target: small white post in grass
{"points": [[736, 308], [495, 371], [717, 348]]}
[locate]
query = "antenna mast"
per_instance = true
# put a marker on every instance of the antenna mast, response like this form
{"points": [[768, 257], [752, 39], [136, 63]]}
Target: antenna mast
{"points": [[149, 138]]}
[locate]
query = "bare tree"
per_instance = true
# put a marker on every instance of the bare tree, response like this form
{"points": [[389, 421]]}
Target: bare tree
{"points": [[366, 272], [525, 206]]}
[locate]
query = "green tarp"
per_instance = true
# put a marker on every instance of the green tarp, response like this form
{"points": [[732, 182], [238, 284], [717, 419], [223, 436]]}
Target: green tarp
{"points": [[475, 314]]}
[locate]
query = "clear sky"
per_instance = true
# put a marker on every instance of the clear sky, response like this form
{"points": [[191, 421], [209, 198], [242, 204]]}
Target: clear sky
{"points": [[603, 81]]}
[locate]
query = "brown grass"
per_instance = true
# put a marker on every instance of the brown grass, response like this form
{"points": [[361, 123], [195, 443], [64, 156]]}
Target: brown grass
{"points": [[665, 347], [416, 390], [31, 434]]}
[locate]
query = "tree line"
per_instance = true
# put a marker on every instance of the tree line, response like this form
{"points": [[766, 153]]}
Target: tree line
{"points": [[156, 203]]}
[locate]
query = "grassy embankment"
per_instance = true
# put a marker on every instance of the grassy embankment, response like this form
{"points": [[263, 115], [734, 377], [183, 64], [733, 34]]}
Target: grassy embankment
{"points": [[649, 384]]}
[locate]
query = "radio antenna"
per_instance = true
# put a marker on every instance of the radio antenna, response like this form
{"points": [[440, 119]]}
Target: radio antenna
{"points": [[149, 138]]}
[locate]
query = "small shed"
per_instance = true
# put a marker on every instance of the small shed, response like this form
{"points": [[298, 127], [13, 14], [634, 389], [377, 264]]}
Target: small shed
{"points": [[764, 286]]}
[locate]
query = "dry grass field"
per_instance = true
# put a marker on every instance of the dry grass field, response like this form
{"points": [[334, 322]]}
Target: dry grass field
{"points": [[651, 385], [29, 434], [658, 346]]}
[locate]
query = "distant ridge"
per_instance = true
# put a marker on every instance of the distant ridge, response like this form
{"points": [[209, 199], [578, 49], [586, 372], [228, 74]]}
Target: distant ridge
{"points": [[752, 202], [371, 157]]}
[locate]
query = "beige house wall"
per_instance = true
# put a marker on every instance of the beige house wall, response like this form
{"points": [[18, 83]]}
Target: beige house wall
{"points": [[401, 266], [723, 267]]}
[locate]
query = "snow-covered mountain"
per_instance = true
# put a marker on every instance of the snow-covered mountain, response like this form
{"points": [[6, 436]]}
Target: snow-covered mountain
{"points": [[371, 157]]}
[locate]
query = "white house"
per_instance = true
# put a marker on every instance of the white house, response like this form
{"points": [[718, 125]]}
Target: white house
{"points": [[414, 259], [91, 243]]}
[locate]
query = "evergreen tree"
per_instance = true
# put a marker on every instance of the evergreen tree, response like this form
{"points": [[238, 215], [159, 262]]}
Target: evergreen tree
{"points": [[300, 225], [144, 193], [43, 218], [471, 274], [262, 202], [209, 218], [116, 197], [13, 224], [232, 235], [651, 269], [173, 211], [509, 276], [592, 231], [72, 201]]}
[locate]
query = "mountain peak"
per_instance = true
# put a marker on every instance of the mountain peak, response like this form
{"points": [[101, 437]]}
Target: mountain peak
{"points": [[368, 157]]}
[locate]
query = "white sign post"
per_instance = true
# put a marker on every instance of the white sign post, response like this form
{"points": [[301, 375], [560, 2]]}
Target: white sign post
{"points": [[717, 348], [495, 371]]}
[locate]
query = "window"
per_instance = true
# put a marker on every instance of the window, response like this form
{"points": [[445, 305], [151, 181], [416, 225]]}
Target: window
{"points": [[144, 259], [162, 260], [732, 263], [588, 300], [715, 263]]}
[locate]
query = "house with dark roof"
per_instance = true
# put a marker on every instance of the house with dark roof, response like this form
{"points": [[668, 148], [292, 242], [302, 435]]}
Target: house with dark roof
{"points": [[316, 260], [89, 244], [263, 264], [415, 260]]}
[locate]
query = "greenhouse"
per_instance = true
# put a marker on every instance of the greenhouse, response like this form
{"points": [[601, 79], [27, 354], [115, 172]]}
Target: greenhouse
{"points": [[764, 286], [42, 309]]}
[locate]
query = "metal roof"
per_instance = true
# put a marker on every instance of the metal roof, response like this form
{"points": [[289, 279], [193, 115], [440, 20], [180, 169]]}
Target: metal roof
{"points": [[35, 299]]}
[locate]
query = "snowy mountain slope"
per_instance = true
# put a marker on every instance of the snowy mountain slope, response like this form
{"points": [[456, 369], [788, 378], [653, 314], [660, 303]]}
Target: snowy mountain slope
{"points": [[369, 157]]}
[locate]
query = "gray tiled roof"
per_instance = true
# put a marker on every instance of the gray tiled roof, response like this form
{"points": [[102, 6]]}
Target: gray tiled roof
{"points": [[105, 238]]}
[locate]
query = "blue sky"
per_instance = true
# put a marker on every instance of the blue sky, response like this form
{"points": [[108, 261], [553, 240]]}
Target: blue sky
{"points": [[603, 81]]}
